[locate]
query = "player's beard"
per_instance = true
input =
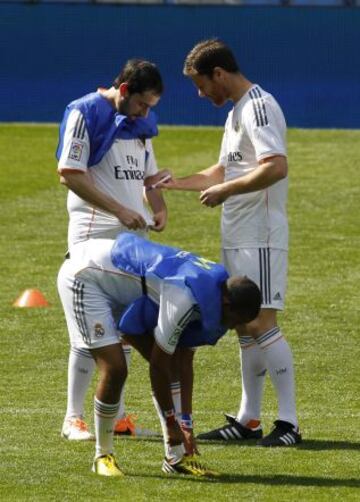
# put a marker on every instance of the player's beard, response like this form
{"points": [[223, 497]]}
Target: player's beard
{"points": [[218, 101], [125, 109], [124, 106], [219, 98]]}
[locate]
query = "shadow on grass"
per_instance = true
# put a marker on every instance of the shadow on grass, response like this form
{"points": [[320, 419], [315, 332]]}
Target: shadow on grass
{"points": [[307, 444], [317, 444], [275, 480]]}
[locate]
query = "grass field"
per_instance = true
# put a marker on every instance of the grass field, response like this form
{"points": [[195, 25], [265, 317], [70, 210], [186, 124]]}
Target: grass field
{"points": [[321, 323]]}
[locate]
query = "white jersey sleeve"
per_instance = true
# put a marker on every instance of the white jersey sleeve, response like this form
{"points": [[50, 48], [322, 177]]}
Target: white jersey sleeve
{"points": [[223, 150], [176, 310], [265, 125], [76, 145], [151, 167]]}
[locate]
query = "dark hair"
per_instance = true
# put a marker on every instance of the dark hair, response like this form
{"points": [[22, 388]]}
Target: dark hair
{"points": [[244, 297], [207, 55], [141, 76]]}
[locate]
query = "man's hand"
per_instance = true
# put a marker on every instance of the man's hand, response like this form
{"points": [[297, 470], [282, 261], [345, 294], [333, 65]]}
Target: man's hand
{"points": [[214, 195], [175, 434], [160, 220], [131, 219], [158, 180], [190, 442]]}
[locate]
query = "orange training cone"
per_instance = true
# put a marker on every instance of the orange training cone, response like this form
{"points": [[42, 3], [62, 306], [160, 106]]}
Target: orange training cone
{"points": [[31, 298]]}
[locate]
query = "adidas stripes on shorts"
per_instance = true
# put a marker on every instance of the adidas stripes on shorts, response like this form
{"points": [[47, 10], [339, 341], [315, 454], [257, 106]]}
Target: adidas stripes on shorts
{"points": [[88, 311], [267, 267]]}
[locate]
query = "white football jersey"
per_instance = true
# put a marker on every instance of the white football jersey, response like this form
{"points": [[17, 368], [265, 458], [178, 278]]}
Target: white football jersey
{"points": [[120, 174], [255, 129]]}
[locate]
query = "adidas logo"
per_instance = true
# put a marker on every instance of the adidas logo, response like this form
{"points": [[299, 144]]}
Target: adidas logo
{"points": [[277, 296]]}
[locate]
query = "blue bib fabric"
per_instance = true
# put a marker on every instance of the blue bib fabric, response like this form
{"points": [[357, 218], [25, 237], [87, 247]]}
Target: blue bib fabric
{"points": [[140, 257], [140, 316], [104, 124]]}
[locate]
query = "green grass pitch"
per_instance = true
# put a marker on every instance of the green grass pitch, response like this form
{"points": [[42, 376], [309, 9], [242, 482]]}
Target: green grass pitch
{"points": [[321, 322]]}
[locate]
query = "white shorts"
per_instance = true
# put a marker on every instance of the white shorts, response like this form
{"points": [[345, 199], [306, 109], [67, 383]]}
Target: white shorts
{"points": [[88, 311], [266, 267]]}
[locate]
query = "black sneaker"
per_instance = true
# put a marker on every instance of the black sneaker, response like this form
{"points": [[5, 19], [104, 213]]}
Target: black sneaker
{"points": [[283, 434], [233, 431]]}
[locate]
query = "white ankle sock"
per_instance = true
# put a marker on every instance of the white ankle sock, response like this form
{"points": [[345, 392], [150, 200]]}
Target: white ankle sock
{"points": [[81, 367], [163, 426], [279, 363], [176, 397], [104, 419], [253, 369]]}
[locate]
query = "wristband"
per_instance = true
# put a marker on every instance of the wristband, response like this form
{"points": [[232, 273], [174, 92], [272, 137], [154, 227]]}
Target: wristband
{"points": [[186, 421]]}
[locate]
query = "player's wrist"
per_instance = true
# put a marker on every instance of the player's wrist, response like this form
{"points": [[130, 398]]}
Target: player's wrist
{"points": [[186, 421], [230, 189], [170, 417]]}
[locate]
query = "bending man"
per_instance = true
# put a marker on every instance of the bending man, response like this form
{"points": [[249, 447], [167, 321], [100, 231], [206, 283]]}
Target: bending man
{"points": [[168, 301]]}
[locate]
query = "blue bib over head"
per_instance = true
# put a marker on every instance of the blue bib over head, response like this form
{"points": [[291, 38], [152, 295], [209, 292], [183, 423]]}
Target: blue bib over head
{"points": [[104, 125]]}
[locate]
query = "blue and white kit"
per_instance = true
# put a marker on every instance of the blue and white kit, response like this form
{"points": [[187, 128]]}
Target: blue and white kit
{"points": [[117, 152], [103, 283]]}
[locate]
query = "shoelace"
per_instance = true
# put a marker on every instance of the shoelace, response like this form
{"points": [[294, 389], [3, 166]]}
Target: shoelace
{"points": [[80, 424], [109, 461]]}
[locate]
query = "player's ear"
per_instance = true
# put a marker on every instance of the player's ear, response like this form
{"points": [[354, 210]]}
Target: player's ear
{"points": [[123, 88], [218, 73]]}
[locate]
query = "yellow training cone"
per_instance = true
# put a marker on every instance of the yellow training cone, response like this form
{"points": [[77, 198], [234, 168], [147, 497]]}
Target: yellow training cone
{"points": [[31, 298]]}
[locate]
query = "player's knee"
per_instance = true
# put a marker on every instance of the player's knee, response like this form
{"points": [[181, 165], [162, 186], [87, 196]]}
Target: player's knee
{"points": [[115, 373]]}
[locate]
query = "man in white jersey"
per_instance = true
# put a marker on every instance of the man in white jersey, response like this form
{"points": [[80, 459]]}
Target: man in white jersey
{"points": [[105, 157], [250, 180], [167, 301]]}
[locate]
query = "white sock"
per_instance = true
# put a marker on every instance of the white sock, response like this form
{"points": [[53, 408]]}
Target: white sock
{"points": [[279, 363], [81, 367], [176, 397], [175, 453], [253, 370], [170, 453], [104, 419], [163, 426], [127, 353]]}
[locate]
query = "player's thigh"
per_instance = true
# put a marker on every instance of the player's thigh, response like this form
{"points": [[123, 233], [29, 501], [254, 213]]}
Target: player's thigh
{"points": [[88, 312], [266, 267]]}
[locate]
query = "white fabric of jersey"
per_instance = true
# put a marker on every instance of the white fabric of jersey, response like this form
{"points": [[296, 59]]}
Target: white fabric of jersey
{"points": [[254, 130], [120, 174], [94, 293]]}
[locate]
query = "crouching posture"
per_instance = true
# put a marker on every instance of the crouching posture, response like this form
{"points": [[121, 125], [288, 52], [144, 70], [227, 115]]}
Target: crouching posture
{"points": [[165, 301]]}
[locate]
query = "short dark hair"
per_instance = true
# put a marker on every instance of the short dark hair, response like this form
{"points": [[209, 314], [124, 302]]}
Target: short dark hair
{"points": [[244, 297], [207, 55], [141, 76]]}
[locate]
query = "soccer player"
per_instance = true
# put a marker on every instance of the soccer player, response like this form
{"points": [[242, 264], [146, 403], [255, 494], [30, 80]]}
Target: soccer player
{"points": [[168, 301], [250, 180], [105, 157]]}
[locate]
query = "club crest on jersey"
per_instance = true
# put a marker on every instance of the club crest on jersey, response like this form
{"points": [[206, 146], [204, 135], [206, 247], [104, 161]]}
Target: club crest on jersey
{"points": [[237, 126], [99, 331], [75, 150]]}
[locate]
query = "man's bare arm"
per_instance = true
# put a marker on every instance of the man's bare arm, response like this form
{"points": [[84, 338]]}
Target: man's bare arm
{"points": [[82, 185]]}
